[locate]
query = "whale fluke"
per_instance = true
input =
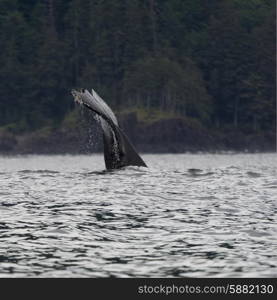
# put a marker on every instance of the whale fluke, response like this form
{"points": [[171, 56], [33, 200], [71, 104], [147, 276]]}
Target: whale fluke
{"points": [[118, 150]]}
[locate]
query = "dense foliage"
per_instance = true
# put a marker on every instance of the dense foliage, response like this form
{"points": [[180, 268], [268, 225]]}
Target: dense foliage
{"points": [[211, 60]]}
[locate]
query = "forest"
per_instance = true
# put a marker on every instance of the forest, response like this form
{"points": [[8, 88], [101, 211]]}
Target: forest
{"points": [[208, 62]]}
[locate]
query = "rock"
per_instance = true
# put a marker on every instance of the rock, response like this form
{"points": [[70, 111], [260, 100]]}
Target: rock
{"points": [[7, 142], [172, 135]]}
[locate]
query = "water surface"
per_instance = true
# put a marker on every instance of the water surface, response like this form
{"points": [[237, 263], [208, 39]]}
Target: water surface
{"points": [[187, 215]]}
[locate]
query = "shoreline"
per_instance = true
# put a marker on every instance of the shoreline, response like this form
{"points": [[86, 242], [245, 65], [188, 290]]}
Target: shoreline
{"points": [[3, 155], [175, 135]]}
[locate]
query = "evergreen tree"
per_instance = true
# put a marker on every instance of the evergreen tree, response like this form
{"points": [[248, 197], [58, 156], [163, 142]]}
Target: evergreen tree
{"points": [[203, 59]]}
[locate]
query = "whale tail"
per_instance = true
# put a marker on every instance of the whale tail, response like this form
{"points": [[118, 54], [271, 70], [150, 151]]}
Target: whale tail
{"points": [[118, 150]]}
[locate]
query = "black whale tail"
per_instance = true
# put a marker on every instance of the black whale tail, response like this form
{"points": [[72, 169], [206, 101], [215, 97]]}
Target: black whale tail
{"points": [[118, 150]]}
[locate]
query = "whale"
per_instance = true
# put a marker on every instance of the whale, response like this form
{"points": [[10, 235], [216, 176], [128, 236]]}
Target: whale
{"points": [[118, 150]]}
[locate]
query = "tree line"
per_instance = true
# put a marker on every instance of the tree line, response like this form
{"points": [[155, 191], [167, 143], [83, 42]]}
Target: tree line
{"points": [[208, 60]]}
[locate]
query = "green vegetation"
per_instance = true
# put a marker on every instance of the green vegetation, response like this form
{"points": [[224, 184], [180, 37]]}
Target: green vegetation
{"points": [[207, 61]]}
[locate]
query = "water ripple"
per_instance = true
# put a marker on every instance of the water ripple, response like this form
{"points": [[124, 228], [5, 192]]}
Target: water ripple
{"points": [[184, 216]]}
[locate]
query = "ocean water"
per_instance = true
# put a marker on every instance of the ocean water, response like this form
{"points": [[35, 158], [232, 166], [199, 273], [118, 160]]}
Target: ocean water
{"points": [[187, 215]]}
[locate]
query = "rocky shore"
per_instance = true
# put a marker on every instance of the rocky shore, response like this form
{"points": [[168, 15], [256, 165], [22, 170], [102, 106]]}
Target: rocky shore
{"points": [[172, 135]]}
